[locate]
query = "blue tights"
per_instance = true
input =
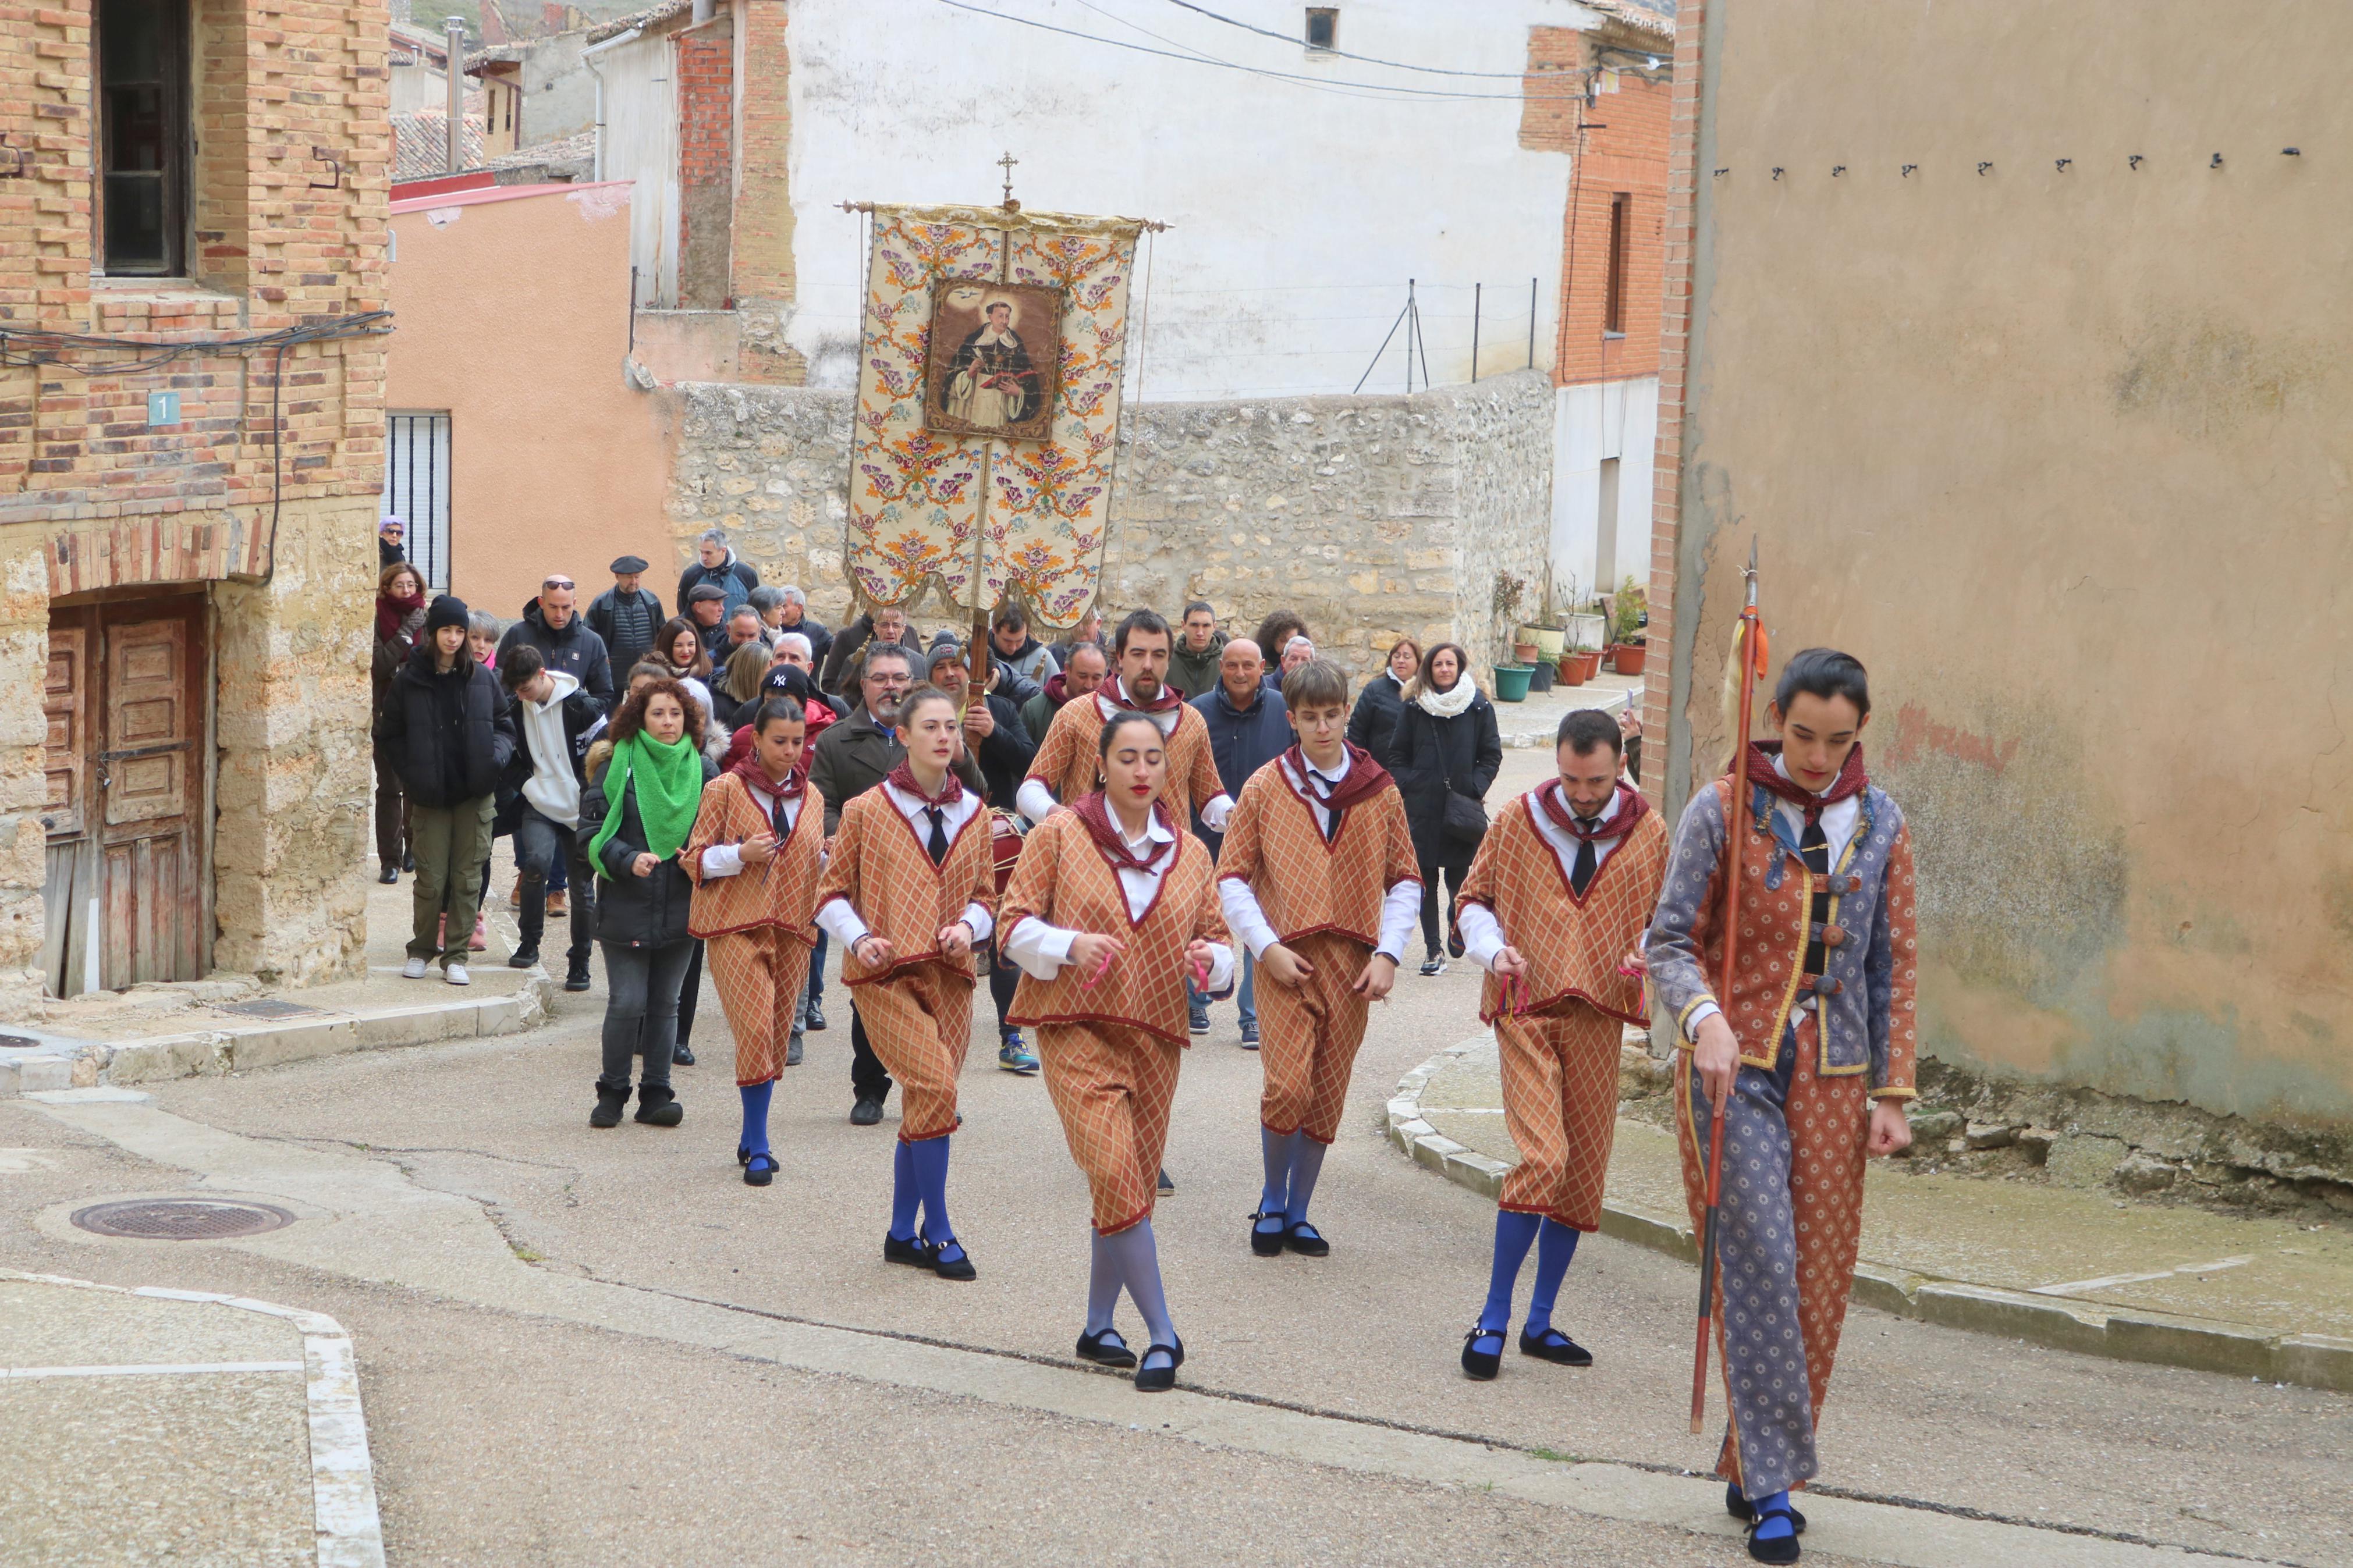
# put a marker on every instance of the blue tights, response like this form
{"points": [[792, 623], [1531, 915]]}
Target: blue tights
{"points": [[756, 1116], [1555, 1242], [919, 1178], [1292, 1160]]}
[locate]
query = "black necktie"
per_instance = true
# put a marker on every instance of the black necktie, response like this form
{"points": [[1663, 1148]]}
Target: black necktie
{"points": [[1580, 876], [1814, 847], [1324, 798], [777, 819], [938, 847]]}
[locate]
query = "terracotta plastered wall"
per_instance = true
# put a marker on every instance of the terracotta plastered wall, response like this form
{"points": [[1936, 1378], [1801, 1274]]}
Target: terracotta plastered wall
{"points": [[92, 497], [2051, 430]]}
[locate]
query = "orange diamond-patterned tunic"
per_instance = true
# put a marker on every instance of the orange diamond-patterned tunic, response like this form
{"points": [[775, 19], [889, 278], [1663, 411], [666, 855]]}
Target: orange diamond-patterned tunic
{"points": [[1323, 901], [1559, 1051], [917, 1004], [757, 922], [1069, 762], [1111, 1052]]}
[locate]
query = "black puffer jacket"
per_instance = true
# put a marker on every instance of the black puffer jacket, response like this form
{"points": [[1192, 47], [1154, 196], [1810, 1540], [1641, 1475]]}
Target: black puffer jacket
{"points": [[449, 735], [1376, 713], [576, 650], [1424, 753], [634, 910]]}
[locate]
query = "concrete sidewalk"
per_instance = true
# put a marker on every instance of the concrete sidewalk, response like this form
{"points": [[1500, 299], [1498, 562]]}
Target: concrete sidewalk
{"points": [[2077, 1268], [1534, 722], [174, 1424]]}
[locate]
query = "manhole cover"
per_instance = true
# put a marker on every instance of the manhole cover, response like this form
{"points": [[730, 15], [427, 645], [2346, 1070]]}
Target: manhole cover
{"points": [[269, 1008], [181, 1219], [19, 1043]]}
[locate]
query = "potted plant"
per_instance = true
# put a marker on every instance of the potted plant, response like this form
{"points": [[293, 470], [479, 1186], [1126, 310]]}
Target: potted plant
{"points": [[1629, 615], [1545, 633]]}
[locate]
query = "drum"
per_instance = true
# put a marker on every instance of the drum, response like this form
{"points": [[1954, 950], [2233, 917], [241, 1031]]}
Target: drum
{"points": [[1005, 830]]}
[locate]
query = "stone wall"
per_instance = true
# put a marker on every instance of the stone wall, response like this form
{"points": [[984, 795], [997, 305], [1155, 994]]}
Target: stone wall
{"points": [[1371, 517]]}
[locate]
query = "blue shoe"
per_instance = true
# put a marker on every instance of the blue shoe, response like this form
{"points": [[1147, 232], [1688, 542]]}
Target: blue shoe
{"points": [[1197, 1018], [1014, 1055], [1250, 1037]]}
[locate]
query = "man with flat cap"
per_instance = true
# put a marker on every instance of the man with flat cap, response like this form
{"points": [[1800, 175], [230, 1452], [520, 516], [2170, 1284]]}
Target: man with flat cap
{"points": [[625, 615], [706, 607]]}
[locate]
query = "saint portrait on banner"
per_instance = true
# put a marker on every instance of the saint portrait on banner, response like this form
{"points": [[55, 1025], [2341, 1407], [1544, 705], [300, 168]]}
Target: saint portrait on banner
{"points": [[994, 351]]}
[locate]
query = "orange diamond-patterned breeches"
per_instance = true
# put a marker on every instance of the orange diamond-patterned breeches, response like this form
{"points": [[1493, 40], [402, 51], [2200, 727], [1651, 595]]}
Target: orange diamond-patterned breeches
{"points": [[1790, 1222], [1112, 1085], [919, 1019], [1308, 1037], [759, 975], [1560, 1105]]}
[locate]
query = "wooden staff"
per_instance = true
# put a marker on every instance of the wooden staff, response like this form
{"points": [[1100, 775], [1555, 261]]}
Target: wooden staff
{"points": [[1747, 649]]}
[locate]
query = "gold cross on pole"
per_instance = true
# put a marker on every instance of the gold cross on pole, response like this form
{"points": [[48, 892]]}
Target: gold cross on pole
{"points": [[1006, 164]]}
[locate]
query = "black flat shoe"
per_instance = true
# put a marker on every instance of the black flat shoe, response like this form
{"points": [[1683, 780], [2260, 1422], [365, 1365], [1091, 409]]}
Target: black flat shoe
{"points": [[1781, 1549], [1737, 1505], [1568, 1353], [1106, 1349], [1482, 1364], [658, 1107], [759, 1169], [608, 1107], [958, 1268], [815, 1021], [865, 1113], [743, 1155], [523, 958], [389, 875], [1159, 1379], [1266, 1243], [681, 1054], [1305, 1240], [913, 1251]]}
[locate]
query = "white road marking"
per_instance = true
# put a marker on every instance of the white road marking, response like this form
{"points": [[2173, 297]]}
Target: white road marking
{"points": [[2109, 1282]]}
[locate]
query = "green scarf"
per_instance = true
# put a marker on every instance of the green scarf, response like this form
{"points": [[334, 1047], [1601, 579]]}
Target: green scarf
{"points": [[669, 779]]}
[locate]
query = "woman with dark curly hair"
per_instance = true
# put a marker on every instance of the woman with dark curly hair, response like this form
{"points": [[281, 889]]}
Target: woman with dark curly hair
{"points": [[643, 806]]}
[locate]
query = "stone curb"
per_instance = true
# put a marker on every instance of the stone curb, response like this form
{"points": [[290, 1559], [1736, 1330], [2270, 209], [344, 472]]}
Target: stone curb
{"points": [[2311, 1361], [1609, 699], [349, 1530], [59, 1061]]}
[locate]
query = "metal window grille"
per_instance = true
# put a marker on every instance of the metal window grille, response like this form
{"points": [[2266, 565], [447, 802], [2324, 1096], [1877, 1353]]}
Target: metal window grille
{"points": [[416, 488]]}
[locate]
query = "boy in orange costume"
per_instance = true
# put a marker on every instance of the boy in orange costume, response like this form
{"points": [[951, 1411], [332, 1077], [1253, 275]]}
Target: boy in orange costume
{"points": [[1553, 906], [907, 893], [1067, 764], [754, 869], [1317, 877]]}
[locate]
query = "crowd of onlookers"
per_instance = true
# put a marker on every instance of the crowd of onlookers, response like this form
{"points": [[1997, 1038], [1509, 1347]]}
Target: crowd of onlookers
{"points": [[485, 729]]}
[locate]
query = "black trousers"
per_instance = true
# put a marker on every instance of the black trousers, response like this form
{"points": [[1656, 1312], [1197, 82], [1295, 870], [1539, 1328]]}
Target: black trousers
{"points": [[690, 992], [1003, 978], [1430, 871], [869, 1078]]}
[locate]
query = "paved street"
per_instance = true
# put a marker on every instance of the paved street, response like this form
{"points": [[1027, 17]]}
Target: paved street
{"points": [[582, 1346]]}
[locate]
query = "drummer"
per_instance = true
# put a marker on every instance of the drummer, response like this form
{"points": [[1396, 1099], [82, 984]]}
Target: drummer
{"points": [[995, 737]]}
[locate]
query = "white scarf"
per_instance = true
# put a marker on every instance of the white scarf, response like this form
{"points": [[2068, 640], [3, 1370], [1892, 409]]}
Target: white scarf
{"points": [[1447, 704]]}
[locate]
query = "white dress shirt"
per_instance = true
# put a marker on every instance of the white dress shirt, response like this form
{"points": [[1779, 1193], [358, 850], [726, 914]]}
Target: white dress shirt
{"points": [[727, 859], [1482, 936], [1035, 801], [847, 927], [1400, 905], [1041, 950], [1839, 820]]}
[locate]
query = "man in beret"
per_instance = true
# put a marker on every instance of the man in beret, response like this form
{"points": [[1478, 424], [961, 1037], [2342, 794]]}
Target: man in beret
{"points": [[706, 607], [625, 615]]}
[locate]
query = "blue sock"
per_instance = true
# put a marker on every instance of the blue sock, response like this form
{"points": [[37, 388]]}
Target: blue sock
{"points": [[931, 1161], [755, 1115], [904, 1194], [1103, 1280], [1773, 1529], [1515, 1234], [1137, 1256], [1274, 1151], [1556, 1245], [1306, 1164]]}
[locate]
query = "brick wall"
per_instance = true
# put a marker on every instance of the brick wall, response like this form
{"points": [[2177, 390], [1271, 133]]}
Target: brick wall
{"points": [[704, 72], [1674, 341], [1624, 152], [764, 282]]}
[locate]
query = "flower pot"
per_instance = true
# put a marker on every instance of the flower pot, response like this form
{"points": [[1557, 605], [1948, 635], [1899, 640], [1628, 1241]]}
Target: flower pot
{"points": [[1586, 631], [1589, 663], [1572, 669], [1524, 652], [1630, 656], [1511, 682], [1549, 644], [1540, 676]]}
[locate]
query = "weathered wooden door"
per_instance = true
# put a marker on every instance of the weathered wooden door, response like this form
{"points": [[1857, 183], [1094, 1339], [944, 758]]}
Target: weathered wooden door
{"points": [[127, 700]]}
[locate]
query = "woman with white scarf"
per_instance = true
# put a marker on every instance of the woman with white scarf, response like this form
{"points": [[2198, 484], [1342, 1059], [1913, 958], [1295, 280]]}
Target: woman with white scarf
{"points": [[1445, 743]]}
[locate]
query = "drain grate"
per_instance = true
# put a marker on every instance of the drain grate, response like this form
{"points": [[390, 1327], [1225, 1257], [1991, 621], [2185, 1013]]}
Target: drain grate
{"points": [[19, 1043], [181, 1219], [270, 1007]]}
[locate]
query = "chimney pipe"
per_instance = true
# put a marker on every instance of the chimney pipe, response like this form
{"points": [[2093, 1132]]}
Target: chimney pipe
{"points": [[703, 10], [454, 39]]}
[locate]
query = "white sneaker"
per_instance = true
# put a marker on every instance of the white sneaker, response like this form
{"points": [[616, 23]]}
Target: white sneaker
{"points": [[455, 975], [414, 969]]}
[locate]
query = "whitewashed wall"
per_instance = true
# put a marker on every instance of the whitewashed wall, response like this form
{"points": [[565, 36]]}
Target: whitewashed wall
{"points": [[1300, 209], [640, 143], [1592, 422]]}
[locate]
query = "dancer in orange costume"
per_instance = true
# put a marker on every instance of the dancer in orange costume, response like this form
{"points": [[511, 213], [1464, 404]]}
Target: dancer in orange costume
{"points": [[754, 866], [1069, 759], [1318, 879], [1111, 905], [908, 894]]}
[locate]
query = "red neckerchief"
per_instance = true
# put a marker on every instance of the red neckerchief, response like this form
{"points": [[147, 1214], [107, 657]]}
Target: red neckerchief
{"points": [[1366, 778], [1095, 811], [904, 777], [1851, 779], [1057, 690], [749, 770], [1630, 807], [1116, 687]]}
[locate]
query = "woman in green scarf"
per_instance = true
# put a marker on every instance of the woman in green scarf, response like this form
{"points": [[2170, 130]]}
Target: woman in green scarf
{"points": [[644, 804]]}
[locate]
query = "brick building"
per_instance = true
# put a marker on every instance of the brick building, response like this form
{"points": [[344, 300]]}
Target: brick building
{"points": [[1606, 357], [191, 231]]}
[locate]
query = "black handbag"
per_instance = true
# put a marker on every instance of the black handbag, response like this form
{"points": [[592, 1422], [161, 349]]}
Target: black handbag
{"points": [[1465, 819]]}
